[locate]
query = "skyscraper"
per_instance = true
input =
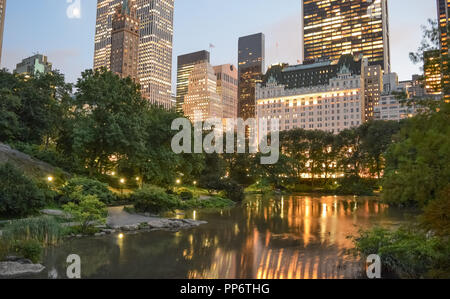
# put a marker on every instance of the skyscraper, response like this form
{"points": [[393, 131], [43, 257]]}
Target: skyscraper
{"points": [[155, 45], [227, 88], [202, 98], [185, 66], [332, 28], [251, 58], [443, 20], [125, 41], [2, 24]]}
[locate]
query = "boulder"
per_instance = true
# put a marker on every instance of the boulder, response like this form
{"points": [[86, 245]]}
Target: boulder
{"points": [[14, 269]]}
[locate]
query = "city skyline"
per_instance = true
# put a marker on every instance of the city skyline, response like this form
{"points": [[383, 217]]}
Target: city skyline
{"points": [[76, 52]]}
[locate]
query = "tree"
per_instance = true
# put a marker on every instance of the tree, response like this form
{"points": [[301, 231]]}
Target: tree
{"points": [[108, 122], [418, 163]]}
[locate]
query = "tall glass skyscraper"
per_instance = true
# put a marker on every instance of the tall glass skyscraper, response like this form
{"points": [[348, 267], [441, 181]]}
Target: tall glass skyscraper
{"points": [[332, 28], [251, 58], [185, 67], [2, 24], [443, 18], [155, 45]]}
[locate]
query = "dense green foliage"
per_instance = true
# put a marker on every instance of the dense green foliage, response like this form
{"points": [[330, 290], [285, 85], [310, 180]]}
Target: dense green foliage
{"points": [[28, 249], [19, 195], [406, 252], [88, 211], [418, 164], [155, 200], [209, 203], [85, 186]]}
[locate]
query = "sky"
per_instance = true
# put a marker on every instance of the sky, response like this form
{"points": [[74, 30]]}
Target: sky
{"points": [[44, 26]]}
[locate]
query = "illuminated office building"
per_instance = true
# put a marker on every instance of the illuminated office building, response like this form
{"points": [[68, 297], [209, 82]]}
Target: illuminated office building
{"points": [[202, 99], [443, 21], [125, 41], [433, 72], [155, 45], [2, 24], [332, 28], [443, 18], [251, 58], [227, 88], [373, 87], [185, 66]]}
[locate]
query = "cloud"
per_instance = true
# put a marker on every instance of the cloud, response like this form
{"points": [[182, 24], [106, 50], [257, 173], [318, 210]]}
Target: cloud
{"points": [[74, 9]]}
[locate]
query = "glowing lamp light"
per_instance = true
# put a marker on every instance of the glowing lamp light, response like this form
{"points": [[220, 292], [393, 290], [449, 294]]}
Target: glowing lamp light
{"points": [[121, 236], [178, 181], [50, 179], [122, 181], [195, 182]]}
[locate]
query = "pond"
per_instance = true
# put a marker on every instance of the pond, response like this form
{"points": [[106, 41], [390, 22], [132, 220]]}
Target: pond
{"points": [[264, 237]]}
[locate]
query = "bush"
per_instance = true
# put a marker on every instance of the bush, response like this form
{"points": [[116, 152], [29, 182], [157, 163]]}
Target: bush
{"points": [[210, 203], [436, 216], [233, 190], [186, 195], [19, 195], [355, 186], [46, 230], [29, 249], [87, 187], [408, 253], [151, 199], [87, 212]]}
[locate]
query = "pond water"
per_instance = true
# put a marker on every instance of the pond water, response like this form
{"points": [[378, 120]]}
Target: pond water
{"points": [[264, 237]]}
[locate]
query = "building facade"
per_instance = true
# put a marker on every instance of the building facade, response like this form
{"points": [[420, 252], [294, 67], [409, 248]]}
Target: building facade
{"points": [[391, 108], [332, 28], [155, 45], [227, 88], [125, 41], [373, 87], [332, 107], [34, 65], [185, 67], [2, 24], [202, 100], [443, 7], [251, 59]]}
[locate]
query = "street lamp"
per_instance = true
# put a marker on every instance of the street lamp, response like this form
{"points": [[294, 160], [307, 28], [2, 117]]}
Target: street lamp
{"points": [[178, 181], [195, 183], [50, 179], [122, 182]]}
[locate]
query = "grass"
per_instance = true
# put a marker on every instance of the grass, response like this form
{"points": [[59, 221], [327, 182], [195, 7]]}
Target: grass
{"points": [[46, 230]]}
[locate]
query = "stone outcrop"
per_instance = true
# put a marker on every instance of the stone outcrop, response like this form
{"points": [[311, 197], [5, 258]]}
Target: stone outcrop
{"points": [[14, 269]]}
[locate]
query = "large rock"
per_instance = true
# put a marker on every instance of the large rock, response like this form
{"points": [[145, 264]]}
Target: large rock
{"points": [[14, 269], [57, 213]]}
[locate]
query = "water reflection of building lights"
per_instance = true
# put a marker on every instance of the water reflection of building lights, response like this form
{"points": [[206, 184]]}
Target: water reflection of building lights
{"points": [[194, 215], [324, 210]]}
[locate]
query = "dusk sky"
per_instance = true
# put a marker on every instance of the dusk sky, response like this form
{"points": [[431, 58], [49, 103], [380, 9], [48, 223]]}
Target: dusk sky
{"points": [[43, 26]]}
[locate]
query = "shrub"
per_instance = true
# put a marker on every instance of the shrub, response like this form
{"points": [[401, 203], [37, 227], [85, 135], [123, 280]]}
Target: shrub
{"points": [[233, 190], [88, 211], [151, 199], [436, 216], [19, 195], [87, 187], [408, 253], [210, 203], [46, 230], [29, 249], [355, 186]]}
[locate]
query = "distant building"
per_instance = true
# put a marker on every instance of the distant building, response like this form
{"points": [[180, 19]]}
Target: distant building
{"points": [[335, 27], [333, 107], [2, 24], [185, 66], [390, 107], [444, 41], [33, 65], [251, 58], [414, 87], [227, 88], [155, 45], [373, 86], [433, 72], [202, 99], [125, 41]]}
